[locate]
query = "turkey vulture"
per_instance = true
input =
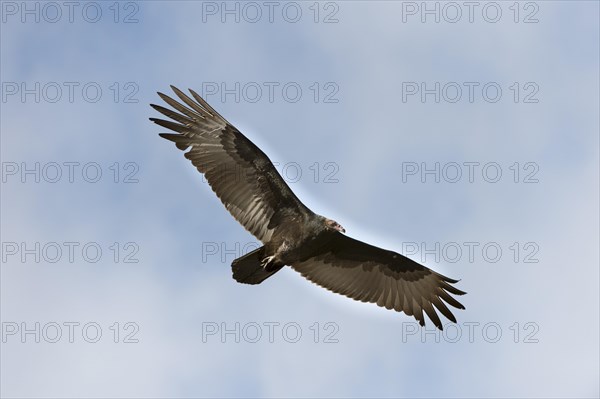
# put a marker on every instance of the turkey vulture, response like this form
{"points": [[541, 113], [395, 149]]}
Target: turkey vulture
{"points": [[256, 195]]}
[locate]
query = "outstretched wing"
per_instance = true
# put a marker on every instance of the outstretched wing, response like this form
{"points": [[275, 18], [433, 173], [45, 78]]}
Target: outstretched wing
{"points": [[370, 274], [239, 173]]}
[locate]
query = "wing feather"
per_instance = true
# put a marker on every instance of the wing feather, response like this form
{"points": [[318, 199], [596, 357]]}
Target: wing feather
{"points": [[239, 173], [367, 273]]}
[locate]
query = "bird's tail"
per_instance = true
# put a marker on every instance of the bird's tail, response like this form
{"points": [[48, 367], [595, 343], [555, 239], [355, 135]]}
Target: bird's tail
{"points": [[249, 270]]}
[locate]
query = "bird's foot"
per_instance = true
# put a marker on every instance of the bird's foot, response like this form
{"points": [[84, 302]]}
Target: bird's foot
{"points": [[267, 262]]}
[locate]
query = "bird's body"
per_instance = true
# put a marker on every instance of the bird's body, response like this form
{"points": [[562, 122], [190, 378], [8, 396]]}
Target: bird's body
{"points": [[292, 241], [256, 195]]}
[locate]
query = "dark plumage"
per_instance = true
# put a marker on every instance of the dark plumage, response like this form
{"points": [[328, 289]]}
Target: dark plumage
{"points": [[256, 195]]}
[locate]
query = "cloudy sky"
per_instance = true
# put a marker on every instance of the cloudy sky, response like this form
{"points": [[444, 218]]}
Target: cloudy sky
{"points": [[464, 136]]}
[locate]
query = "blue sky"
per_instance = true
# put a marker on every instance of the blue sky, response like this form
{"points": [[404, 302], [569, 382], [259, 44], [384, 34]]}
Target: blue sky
{"points": [[348, 143]]}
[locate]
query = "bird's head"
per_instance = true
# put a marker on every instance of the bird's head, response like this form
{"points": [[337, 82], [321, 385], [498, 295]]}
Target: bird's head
{"points": [[333, 225]]}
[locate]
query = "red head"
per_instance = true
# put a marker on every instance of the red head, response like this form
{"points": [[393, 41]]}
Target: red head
{"points": [[333, 225]]}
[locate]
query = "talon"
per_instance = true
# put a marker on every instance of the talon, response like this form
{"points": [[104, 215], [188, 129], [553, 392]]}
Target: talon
{"points": [[266, 262]]}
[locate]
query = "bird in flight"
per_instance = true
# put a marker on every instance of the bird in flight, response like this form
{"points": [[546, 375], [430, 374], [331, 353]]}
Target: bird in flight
{"points": [[256, 195]]}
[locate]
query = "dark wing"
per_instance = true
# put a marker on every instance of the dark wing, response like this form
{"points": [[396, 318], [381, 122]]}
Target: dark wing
{"points": [[239, 173], [370, 274]]}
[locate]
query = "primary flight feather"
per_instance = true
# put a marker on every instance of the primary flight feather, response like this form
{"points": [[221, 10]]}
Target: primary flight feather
{"points": [[256, 195]]}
